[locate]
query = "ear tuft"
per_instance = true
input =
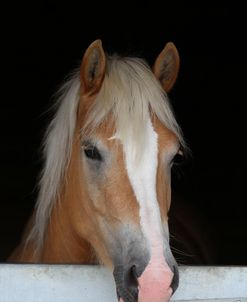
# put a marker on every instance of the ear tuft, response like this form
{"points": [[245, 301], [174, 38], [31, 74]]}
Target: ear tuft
{"points": [[166, 66], [93, 68]]}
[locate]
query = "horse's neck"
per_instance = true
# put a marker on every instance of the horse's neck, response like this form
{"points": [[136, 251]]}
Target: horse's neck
{"points": [[61, 243]]}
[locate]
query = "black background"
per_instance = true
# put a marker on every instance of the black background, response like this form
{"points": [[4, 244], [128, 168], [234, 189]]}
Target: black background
{"points": [[42, 43]]}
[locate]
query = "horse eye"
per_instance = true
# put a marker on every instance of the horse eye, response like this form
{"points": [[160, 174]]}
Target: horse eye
{"points": [[178, 159], [92, 153]]}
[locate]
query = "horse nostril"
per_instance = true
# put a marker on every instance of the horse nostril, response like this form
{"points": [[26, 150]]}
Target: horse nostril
{"points": [[131, 277], [134, 272], [126, 282], [175, 280]]}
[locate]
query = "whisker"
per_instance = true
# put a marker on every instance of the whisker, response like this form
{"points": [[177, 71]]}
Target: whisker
{"points": [[182, 253]]}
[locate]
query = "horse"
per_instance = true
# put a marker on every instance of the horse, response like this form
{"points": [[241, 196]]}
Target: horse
{"points": [[104, 191]]}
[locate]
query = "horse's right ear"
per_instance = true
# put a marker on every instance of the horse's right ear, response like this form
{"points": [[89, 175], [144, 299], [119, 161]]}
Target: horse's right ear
{"points": [[93, 68]]}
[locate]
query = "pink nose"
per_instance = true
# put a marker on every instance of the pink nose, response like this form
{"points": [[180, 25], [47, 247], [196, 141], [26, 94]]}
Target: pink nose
{"points": [[155, 283]]}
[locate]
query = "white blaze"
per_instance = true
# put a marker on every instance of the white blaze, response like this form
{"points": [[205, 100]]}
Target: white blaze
{"points": [[142, 175]]}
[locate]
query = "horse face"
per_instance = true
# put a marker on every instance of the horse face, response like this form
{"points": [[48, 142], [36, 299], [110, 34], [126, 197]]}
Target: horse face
{"points": [[131, 207], [128, 194]]}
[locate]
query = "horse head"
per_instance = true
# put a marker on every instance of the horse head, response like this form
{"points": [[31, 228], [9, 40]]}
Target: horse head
{"points": [[128, 140]]}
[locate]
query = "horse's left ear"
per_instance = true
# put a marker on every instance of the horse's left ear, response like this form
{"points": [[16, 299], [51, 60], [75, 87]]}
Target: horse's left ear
{"points": [[93, 68], [166, 66]]}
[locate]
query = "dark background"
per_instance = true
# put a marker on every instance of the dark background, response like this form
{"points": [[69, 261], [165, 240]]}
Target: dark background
{"points": [[42, 43]]}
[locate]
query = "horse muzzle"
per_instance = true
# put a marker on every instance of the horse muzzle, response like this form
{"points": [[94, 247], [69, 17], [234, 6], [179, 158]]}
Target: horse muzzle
{"points": [[153, 283]]}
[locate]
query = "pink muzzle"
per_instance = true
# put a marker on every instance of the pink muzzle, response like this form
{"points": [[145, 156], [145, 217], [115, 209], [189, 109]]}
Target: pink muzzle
{"points": [[154, 285]]}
